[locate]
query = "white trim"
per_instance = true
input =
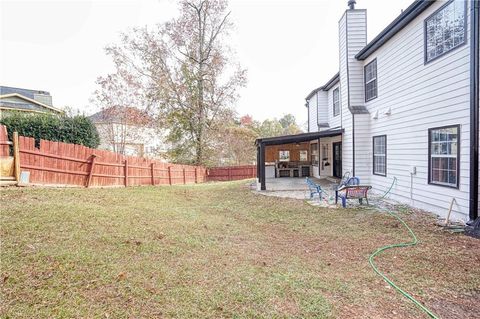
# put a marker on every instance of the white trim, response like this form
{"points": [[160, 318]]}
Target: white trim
{"points": [[30, 100]]}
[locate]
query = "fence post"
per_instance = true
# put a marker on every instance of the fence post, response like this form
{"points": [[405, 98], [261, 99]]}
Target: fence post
{"points": [[229, 174], [90, 173], [170, 175], [184, 177], [126, 173], [153, 176], [16, 156], [196, 175]]}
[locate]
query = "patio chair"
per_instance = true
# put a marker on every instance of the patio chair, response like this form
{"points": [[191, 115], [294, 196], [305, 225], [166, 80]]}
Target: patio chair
{"points": [[352, 192], [348, 181], [314, 188], [344, 180]]}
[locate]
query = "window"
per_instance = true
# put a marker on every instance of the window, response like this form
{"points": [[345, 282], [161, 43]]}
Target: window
{"points": [[303, 156], [314, 154], [370, 73], [445, 29], [284, 156], [380, 155], [336, 102], [443, 164]]}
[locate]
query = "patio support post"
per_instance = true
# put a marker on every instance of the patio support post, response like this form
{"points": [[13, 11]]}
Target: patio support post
{"points": [[318, 156], [262, 167], [258, 162]]}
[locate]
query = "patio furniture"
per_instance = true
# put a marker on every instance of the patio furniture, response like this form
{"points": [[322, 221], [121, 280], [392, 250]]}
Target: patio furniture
{"points": [[314, 188], [352, 192], [349, 181], [344, 180]]}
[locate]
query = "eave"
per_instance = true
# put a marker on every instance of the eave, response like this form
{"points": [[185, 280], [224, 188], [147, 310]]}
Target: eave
{"points": [[415, 9]]}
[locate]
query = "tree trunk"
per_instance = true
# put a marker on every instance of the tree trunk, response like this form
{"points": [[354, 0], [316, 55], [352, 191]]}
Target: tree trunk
{"points": [[201, 114]]}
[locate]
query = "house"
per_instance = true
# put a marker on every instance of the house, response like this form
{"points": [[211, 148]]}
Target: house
{"points": [[25, 100], [403, 106], [129, 131]]}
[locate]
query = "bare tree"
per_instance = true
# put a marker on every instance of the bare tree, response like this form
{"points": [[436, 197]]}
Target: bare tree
{"points": [[186, 68], [122, 118]]}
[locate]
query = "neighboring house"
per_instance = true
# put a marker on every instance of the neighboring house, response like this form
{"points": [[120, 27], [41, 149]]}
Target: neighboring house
{"points": [[129, 131], [25, 100], [404, 105]]}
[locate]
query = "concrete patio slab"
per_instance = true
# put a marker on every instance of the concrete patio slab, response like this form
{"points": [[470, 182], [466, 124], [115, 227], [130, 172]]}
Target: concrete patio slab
{"points": [[297, 188]]}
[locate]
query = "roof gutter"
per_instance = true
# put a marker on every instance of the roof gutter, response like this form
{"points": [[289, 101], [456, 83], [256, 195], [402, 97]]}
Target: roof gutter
{"points": [[399, 23], [474, 107]]}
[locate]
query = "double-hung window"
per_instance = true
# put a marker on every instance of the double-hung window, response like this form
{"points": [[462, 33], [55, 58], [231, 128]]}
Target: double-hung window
{"points": [[443, 168], [314, 153], [380, 155], [370, 73], [336, 102], [445, 29]]}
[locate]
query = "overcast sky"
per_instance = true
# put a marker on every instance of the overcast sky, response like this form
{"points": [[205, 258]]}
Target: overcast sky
{"points": [[288, 46]]}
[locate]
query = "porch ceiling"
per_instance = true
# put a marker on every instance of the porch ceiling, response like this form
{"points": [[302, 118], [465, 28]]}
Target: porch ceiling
{"points": [[297, 138]]}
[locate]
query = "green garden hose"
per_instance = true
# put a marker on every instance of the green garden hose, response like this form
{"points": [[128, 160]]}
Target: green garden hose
{"points": [[412, 243]]}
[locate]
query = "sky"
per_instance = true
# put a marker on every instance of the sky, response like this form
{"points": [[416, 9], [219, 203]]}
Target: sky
{"points": [[289, 47]]}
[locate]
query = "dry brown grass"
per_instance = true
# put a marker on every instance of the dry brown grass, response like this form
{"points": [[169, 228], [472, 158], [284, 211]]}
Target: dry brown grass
{"points": [[220, 251]]}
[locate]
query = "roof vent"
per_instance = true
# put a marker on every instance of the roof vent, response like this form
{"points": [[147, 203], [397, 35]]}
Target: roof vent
{"points": [[351, 4]]}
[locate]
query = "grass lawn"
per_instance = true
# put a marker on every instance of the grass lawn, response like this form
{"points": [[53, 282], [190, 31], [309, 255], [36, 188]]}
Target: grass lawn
{"points": [[220, 251]]}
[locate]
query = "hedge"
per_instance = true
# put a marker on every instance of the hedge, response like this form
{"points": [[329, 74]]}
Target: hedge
{"points": [[77, 129]]}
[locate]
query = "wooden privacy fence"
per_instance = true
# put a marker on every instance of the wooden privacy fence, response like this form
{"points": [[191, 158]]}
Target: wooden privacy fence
{"points": [[9, 166], [231, 173], [69, 164], [57, 163], [4, 142]]}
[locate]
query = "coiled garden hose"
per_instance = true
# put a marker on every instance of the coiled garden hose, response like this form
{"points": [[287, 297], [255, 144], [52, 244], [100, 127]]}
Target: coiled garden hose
{"points": [[381, 249]]}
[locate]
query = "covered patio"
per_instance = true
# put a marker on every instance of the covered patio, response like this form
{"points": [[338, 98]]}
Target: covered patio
{"points": [[283, 162]]}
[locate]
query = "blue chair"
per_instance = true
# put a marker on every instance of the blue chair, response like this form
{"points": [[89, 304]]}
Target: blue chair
{"points": [[353, 181], [314, 188]]}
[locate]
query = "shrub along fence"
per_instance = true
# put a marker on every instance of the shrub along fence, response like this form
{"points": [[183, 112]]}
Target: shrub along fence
{"points": [[57, 163]]}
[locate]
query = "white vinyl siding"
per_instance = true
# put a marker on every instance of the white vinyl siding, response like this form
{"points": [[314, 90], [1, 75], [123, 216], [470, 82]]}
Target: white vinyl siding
{"points": [[414, 98], [322, 107], [352, 38], [312, 114], [363, 145], [346, 118]]}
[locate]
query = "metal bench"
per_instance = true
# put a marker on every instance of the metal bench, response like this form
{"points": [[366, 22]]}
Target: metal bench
{"points": [[314, 188], [352, 192]]}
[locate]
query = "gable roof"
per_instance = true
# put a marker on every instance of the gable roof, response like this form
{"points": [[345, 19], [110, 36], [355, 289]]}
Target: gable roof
{"points": [[327, 86], [417, 7], [30, 100], [117, 114], [4, 90]]}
